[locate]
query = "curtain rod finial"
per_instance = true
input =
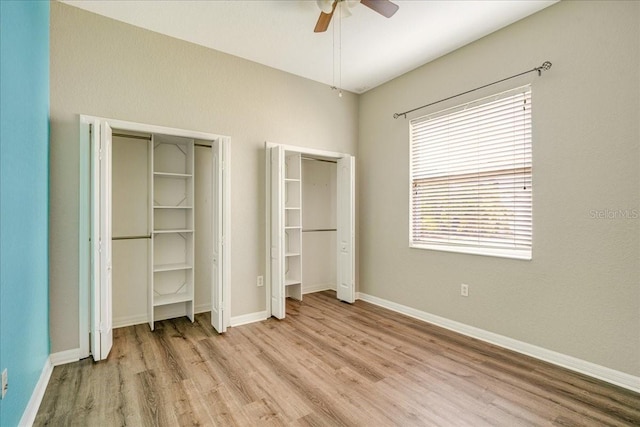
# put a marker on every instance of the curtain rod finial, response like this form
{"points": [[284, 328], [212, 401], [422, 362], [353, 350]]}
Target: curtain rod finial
{"points": [[546, 65]]}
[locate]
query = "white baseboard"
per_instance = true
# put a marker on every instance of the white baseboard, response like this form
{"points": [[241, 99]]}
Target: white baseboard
{"points": [[249, 318], [64, 357], [30, 412], [124, 321], [202, 308], [318, 288], [609, 375]]}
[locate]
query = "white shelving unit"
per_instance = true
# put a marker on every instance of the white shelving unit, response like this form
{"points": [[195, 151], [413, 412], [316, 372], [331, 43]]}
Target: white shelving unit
{"points": [[293, 225], [171, 218]]}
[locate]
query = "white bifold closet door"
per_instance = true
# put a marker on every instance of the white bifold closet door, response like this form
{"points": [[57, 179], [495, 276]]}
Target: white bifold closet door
{"points": [[101, 262], [209, 191], [346, 229], [277, 233]]}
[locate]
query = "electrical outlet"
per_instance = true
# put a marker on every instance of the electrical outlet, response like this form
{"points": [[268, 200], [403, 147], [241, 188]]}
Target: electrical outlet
{"points": [[5, 382], [260, 281], [464, 290]]}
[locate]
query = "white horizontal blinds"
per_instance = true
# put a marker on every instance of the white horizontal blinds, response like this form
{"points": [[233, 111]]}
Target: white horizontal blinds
{"points": [[471, 174]]}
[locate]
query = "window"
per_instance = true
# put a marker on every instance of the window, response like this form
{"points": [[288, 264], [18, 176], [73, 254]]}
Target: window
{"points": [[471, 177]]}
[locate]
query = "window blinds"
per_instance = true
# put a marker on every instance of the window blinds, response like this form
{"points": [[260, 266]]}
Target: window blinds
{"points": [[471, 177]]}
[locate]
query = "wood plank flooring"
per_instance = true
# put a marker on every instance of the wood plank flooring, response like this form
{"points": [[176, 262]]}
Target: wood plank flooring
{"points": [[327, 364]]}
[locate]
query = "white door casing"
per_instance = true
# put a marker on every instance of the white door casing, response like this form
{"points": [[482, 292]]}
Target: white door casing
{"points": [[346, 229]]}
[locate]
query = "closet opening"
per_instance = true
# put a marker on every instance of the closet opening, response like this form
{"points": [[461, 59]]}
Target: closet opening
{"points": [[319, 224], [310, 224], [154, 216]]}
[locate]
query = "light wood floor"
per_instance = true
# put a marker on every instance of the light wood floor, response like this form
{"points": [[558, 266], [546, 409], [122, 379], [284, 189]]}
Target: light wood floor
{"points": [[328, 363]]}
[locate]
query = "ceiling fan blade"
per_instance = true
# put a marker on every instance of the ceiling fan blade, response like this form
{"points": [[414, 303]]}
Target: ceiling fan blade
{"points": [[324, 20], [383, 7]]}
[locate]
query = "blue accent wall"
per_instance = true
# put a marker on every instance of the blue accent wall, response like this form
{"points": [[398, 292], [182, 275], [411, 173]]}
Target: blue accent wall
{"points": [[24, 200]]}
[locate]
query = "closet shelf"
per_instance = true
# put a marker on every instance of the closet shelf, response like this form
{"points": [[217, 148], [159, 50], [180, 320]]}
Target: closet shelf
{"points": [[172, 175], [171, 298], [291, 282], [292, 180], [171, 208], [171, 267], [292, 254], [293, 227], [295, 208]]}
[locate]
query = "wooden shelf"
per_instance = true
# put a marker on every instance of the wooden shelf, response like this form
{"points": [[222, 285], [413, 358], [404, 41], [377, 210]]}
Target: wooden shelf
{"points": [[171, 298], [171, 267], [292, 227], [171, 214]]}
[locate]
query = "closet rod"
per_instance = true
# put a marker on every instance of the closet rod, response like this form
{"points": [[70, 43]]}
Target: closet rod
{"points": [[318, 160], [131, 237], [202, 145], [122, 135], [309, 230]]}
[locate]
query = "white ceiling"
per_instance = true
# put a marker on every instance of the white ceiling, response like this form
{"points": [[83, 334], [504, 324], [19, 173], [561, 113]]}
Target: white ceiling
{"points": [[280, 33]]}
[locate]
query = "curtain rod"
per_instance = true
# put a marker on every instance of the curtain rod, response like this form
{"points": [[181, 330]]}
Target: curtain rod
{"points": [[546, 65]]}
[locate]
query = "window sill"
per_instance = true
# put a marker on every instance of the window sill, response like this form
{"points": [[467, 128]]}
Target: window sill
{"points": [[524, 255]]}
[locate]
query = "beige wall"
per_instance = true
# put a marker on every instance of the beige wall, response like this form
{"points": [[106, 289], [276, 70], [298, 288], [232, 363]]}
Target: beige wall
{"points": [[106, 68], [580, 295]]}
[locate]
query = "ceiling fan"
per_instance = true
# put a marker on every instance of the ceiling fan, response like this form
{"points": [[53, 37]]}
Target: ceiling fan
{"points": [[328, 7]]}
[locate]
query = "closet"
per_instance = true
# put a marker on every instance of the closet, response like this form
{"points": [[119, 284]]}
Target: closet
{"points": [[310, 217], [159, 216], [319, 226]]}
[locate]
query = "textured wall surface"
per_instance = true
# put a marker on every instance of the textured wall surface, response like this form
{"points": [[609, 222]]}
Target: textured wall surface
{"points": [[580, 294], [106, 68]]}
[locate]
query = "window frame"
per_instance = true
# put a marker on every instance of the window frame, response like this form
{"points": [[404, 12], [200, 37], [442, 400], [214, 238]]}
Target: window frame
{"points": [[501, 252]]}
